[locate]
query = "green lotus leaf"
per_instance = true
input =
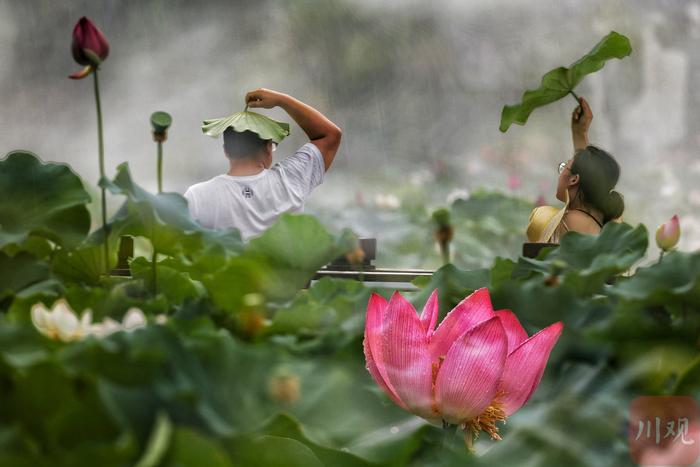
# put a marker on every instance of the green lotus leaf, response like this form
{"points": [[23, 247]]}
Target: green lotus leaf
{"points": [[294, 248], [559, 82], [20, 346], [20, 272], [191, 448], [284, 425], [272, 451], [43, 199], [261, 125], [85, 264], [162, 218], [689, 379], [276, 264], [675, 279], [326, 317], [176, 286], [39, 247], [586, 262]]}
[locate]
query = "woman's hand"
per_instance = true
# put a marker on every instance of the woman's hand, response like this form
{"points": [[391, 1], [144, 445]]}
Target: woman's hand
{"points": [[580, 123], [264, 98]]}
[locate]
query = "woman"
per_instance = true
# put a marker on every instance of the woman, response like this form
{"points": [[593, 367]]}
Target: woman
{"points": [[586, 186]]}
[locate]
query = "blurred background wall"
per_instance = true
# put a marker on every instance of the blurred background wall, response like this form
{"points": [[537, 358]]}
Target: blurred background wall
{"points": [[416, 86]]}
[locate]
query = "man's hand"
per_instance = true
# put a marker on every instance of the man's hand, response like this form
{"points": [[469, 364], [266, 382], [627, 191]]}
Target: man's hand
{"points": [[322, 132], [580, 123], [264, 98]]}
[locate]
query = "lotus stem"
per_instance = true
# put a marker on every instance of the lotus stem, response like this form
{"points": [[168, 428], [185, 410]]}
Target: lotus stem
{"points": [[448, 435], [445, 249], [444, 235], [578, 99], [445, 433], [160, 166], [160, 190], [101, 154], [154, 259]]}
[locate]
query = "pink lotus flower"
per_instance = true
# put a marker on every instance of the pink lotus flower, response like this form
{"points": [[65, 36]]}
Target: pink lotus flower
{"points": [[514, 182], [668, 234], [477, 368], [89, 47]]}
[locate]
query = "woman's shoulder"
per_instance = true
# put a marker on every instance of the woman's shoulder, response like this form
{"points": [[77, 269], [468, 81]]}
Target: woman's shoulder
{"points": [[580, 221]]}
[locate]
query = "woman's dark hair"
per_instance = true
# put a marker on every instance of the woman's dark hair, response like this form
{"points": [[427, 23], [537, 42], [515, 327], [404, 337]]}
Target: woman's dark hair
{"points": [[598, 172], [242, 145]]}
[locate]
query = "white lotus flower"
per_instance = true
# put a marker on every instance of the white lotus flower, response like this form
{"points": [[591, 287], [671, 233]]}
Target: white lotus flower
{"points": [[105, 328], [133, 319], [61, 322]]}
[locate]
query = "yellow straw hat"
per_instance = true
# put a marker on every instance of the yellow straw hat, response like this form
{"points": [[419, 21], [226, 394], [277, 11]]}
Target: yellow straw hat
{"points": [[544, 220]]}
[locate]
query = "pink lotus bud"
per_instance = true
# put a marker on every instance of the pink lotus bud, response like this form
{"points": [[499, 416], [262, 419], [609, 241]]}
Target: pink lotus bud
{"points": [[477, 368], [89, 47], [667, 234]]}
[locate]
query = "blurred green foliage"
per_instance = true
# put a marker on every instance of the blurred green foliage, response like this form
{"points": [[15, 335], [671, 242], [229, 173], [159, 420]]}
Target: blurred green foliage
{"points": [[252, 368]]}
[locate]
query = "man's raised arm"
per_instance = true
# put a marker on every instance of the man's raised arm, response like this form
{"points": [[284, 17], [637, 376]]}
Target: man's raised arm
{"points": [[321, 131]]}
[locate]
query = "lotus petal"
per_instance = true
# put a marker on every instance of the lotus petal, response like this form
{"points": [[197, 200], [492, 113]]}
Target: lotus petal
{"points": [[514, 330], [66, 323], [41, 318], [372, 345], [133, 319], [525, 365], [471, 311], [105, 328], [468, 378], [429, 316], [406, 356], [82, 73]]}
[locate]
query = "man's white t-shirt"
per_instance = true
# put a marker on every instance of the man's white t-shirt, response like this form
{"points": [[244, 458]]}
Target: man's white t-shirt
{"points": [[253, 203]]}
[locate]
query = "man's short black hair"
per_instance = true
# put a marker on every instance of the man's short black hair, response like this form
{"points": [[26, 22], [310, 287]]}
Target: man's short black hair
{"points": [[242, 145]]}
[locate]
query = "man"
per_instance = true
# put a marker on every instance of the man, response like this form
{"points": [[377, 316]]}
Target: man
{"points": [[254, 193]]}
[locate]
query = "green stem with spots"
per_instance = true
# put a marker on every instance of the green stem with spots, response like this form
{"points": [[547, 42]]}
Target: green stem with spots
{"points": [[101, 154], [160, 166]]}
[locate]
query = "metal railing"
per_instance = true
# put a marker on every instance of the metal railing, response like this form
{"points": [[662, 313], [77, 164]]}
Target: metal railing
{"points": [[339, 268]]}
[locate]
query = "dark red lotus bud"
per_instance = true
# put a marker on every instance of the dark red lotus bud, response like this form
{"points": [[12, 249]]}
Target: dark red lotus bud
{"points": [[90, 47]]}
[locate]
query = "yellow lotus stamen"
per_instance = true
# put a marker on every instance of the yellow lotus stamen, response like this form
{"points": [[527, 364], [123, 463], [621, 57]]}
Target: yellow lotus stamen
{"points": [[485, 421]]}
